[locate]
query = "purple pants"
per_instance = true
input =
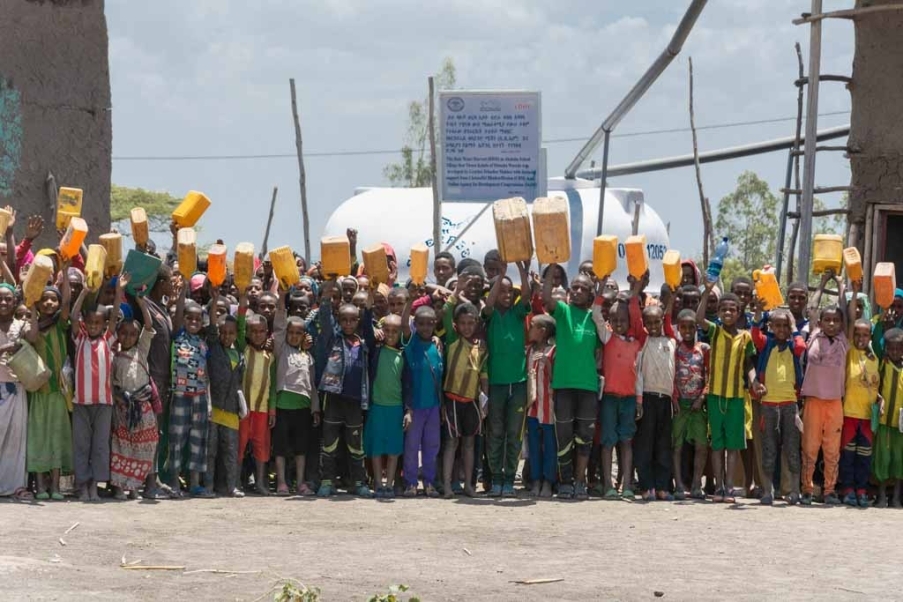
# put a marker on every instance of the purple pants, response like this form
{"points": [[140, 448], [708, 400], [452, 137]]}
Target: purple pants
{"points": [[422, 437]]}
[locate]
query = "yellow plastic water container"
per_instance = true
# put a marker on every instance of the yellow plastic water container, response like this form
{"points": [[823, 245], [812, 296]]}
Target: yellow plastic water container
{"points": [[286, 269], [140, 229], [243, 265], [187, 242], [551, 231], [72, 240], [191, 209], [112, 243], [767, 289], [672, 269], [637, 257], [5, 217], [827, 253], [376, 264], [28, 366], [39, 274], [853, 264], [94, 267], [216, 265], [420, 263], [335, 256], [512, 230], [68, 205], [885, 283], [605, 255]]}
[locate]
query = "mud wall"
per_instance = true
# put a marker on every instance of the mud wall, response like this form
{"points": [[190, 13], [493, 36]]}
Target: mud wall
{"points": [[876, 126], [55, 111]]}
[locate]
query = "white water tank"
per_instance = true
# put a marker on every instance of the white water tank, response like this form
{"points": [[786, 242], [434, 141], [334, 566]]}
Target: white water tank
{"points": [[403, 217]]}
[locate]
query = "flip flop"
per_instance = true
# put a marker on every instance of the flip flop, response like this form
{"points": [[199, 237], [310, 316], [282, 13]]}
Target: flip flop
{"points": [[283, 492], [730, 497], [23, 495], [42, 497], [56, 496]]}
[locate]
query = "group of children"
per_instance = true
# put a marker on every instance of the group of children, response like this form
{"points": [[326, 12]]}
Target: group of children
{"points": [[398, 388]]}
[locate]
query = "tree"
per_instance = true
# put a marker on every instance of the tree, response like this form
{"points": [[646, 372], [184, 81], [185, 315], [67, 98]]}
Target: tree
{"points": [[157, 205], [413, 171], [750, 217]]}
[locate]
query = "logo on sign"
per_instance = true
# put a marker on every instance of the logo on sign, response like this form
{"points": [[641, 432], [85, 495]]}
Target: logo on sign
{"points": [[455, 104]]}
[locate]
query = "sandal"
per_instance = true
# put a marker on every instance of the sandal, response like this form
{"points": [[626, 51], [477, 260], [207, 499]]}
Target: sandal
{"points": [[628, 495], [611, 494], [680, 495], [304, 491], [430, 491], [664, 496], [649, 496], [718, 496], [730, 497], [56, 496], [42, 497], [282, 491], [23, 495], [697, 494], [201, 492]]}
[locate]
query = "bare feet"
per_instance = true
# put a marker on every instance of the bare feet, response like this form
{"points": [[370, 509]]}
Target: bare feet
{"points": [[546, 490], [469, 491], [92, 492], [83, 495], [534, 491], [262, 490], [119, 494]]}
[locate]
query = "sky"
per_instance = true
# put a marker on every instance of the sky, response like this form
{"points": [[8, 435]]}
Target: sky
{"points": [[211, 77]]}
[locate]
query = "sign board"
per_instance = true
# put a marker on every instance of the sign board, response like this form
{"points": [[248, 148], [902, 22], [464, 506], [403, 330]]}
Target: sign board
{"points": [[489, 146]]}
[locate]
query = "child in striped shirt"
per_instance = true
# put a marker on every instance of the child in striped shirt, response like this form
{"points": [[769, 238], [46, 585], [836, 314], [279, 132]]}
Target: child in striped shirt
{"points": [[541, 445], [730, 359], [92, 410], [466, 382]]}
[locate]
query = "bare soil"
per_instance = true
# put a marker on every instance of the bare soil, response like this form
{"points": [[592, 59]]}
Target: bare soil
{"points": [[449, 550]]}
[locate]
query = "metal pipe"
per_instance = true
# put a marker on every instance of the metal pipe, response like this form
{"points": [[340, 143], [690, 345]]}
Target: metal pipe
{"points": [[806, 201], [602, 184], [724, 154], [641, 87], [782, 225]]}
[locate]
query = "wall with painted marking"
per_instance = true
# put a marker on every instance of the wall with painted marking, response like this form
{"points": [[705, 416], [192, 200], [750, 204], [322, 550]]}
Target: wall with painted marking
{"points": [[55, 107]]}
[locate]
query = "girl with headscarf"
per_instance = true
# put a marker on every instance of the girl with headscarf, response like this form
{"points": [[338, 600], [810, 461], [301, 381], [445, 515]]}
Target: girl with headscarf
{"points": [[13, 401], [49, 432]]}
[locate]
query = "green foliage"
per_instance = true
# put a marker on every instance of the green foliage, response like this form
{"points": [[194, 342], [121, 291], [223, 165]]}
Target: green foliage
{"points": [[414, 170], [393, 595], [750, 218], [157, 205], [296, 592]]}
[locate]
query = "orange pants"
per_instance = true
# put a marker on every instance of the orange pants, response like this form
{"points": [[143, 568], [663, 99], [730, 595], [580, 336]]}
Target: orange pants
{"points": [[822, 426], [256, 429]]}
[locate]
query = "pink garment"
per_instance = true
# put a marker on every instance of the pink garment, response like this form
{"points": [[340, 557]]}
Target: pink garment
{"points": [[825, 366]]}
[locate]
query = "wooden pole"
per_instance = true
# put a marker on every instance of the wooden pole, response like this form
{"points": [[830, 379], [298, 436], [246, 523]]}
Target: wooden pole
{"points": [[708, 245], [795, 228], [437, 205], [303, 177], [807, 200], [266, 235]]}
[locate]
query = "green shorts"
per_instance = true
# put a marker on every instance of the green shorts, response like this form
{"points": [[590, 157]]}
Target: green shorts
{"points": [[727, 421], [689, 426], [618, 418]]}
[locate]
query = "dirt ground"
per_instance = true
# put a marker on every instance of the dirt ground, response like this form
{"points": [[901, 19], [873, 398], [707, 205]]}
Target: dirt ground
{"points": [[351, 548]]}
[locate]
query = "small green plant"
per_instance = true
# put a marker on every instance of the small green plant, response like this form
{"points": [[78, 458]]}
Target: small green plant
{"points": [[395, 594], [296, 592]]}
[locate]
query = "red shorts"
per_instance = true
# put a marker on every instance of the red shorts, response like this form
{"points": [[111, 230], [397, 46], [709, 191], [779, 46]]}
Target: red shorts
{"points": [[256, 429]]}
